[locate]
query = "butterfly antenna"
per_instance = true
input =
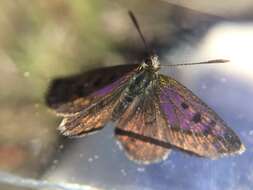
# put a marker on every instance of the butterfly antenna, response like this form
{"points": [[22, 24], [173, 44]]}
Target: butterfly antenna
{"points": [[213, 61], [137, 26]]}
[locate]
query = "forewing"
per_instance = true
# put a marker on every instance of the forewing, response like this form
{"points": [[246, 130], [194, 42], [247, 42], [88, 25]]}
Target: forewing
{"points": [[91, 113], [68, 96], [140, 131], [93, 118], [192, 125]]}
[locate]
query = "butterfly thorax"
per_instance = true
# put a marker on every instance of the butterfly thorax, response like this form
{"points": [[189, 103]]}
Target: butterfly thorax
{"points": [[145, 78], [140, 85]]}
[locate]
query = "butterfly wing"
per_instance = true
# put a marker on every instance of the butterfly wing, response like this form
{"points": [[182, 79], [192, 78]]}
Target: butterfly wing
{"points": [[192, 125], [141, 129], [68, 96], [92, 119], [95, 110]]}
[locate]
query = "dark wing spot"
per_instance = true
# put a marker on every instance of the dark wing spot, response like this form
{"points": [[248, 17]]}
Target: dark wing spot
{"points": [[184, 106], [196, 118]]}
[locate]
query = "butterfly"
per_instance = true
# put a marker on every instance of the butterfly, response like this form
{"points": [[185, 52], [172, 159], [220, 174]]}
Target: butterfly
{"points": [[153, 113]]}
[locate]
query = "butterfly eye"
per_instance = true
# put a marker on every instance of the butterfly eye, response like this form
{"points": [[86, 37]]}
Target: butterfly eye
{"points": [[196, 118]]}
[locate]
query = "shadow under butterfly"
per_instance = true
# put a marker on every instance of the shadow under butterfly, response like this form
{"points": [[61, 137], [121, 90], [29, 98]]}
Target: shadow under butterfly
{"points": [[153, 113]]}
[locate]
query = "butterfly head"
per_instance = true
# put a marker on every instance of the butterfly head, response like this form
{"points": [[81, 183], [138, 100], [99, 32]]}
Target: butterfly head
{"points": [[152, 63]]}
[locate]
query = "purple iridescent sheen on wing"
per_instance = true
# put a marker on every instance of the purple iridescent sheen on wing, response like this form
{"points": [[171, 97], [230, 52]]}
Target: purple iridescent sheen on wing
{"points": [[171, 103], [71, 95], [109, 88], [192, 125]]}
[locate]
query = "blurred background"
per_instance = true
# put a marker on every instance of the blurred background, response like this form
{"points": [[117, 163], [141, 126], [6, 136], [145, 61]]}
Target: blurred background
{"points": [[43, 40]]}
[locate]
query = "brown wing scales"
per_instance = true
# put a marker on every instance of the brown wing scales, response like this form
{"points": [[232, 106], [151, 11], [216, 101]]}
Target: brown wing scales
{"points": [[141, 124], [93, 118]]}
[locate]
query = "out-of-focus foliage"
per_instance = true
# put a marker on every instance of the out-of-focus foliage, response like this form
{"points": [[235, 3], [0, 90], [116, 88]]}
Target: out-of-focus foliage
{"points": [[43, 39]]}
